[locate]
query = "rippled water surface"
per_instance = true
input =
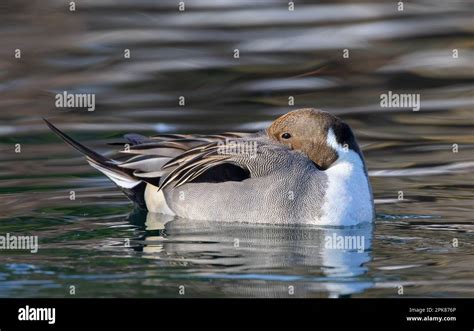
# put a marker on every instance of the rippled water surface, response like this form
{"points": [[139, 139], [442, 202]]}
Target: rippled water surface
{"points": [[104, 248]]}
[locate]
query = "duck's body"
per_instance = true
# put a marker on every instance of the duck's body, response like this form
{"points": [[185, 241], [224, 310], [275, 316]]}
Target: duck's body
{"points": [[304, 169]]}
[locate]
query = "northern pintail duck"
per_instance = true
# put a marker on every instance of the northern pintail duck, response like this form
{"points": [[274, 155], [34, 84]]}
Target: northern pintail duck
{"points": [[305, 168]]}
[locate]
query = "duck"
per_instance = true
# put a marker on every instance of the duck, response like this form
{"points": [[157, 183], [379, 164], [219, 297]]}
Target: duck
{"points": [[305, 168]]}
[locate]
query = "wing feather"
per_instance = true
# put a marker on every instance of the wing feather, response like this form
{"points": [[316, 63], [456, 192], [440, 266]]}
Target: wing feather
{"points": [[176, 158]]}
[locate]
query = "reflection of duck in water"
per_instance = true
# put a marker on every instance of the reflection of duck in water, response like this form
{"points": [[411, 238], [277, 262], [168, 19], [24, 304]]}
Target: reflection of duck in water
{"points": [[306, 168], [246, 260]]}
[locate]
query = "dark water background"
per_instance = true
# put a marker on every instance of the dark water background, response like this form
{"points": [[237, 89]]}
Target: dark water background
{"points": [[282, 54]]}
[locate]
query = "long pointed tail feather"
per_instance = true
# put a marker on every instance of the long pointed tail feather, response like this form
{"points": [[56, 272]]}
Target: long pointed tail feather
{"points": [[122, 177], [81, 148]]}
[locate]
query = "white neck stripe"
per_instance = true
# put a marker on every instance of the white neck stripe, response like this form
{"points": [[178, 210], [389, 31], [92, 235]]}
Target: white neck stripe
{"points": [[348, 200]]}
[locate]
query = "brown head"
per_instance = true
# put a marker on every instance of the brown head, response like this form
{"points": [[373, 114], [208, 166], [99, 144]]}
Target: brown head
{"points": [[316, 133]]}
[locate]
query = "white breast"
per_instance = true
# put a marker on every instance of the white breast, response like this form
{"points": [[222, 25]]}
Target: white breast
{"points": [[348, 197]]}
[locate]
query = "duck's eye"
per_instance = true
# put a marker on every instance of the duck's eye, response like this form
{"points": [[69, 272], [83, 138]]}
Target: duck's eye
{"points": [[286, 135]]}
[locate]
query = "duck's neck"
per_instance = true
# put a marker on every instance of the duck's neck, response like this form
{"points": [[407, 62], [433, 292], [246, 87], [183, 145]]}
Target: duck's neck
{"points": [[348, 196]]}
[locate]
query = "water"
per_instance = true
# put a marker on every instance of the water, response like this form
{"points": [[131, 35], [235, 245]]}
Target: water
{"points": [[105, 249]]}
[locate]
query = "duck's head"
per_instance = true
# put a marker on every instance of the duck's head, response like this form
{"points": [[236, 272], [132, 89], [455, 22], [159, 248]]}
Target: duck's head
{"points": [[320, 135]]}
